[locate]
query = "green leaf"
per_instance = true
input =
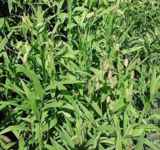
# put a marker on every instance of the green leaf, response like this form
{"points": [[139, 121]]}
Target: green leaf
{"points": [[117, 105], [66, 138], [4, 41], [151, 145], [53, 104], [34, 78], [96, 108], [140, 143], [1, 22]]}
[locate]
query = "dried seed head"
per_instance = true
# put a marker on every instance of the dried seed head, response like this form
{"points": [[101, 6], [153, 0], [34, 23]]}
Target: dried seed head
{"points": [[126, 62]]}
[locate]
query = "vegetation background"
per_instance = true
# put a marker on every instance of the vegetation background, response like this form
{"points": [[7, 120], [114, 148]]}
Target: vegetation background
{"points": [[80, 75]]}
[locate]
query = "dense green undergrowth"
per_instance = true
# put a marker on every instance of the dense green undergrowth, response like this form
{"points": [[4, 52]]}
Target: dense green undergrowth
{"points": [[80, 75]]}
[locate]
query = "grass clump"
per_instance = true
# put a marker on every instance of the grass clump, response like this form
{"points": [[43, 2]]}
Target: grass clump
{"points": [[80, 75]]}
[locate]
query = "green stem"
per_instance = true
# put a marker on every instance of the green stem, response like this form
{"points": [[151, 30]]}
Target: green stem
{"points": [[70, 22]]}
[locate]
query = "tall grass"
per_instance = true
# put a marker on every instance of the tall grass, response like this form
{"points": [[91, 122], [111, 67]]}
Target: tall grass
{"points": [[80, 75]]}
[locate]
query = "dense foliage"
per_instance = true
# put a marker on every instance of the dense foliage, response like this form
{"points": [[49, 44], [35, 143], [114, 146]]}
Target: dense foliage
{"points": [[80, 75]]}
